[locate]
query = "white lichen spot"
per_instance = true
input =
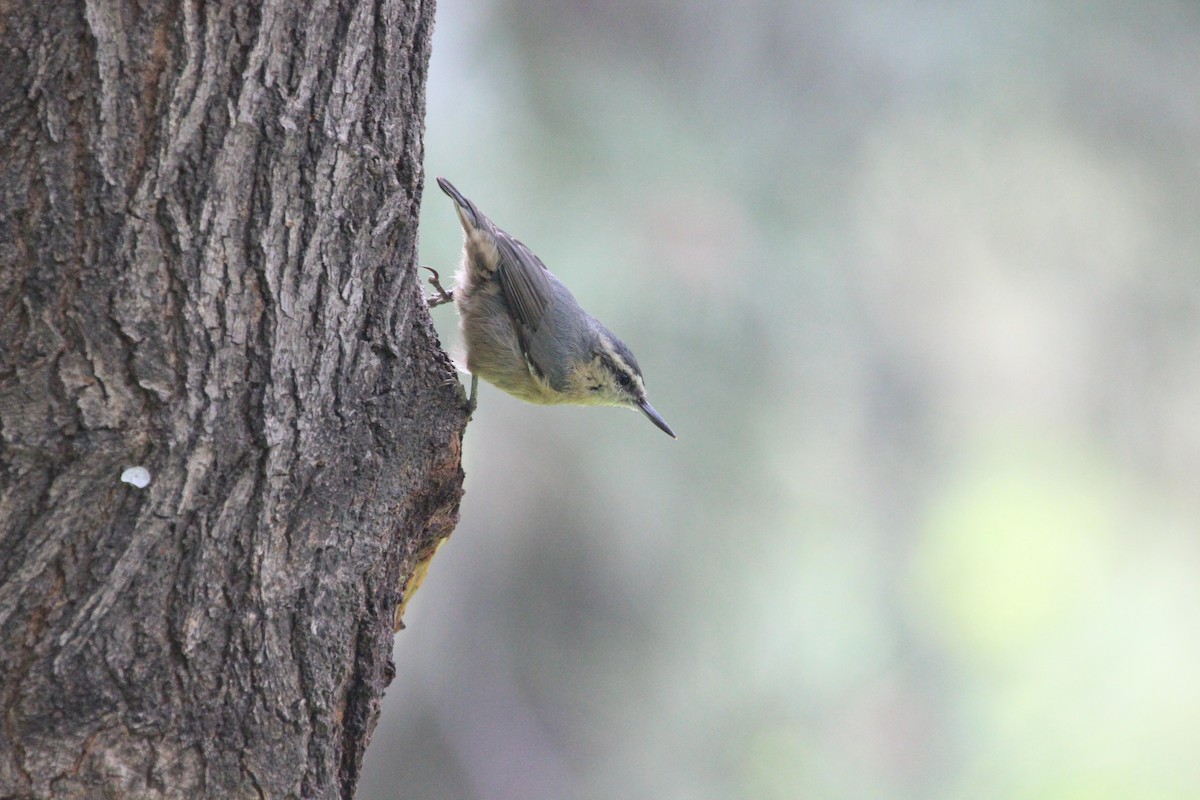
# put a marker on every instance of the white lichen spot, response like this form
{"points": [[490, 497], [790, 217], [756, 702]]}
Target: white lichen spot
{"points": [[138, 476]]}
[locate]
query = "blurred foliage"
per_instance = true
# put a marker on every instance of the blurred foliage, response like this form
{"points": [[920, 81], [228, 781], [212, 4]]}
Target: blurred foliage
{"points": [[917, 285]]}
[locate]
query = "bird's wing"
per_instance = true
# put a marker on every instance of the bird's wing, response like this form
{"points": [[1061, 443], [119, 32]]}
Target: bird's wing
{"points": [[526, 286]]}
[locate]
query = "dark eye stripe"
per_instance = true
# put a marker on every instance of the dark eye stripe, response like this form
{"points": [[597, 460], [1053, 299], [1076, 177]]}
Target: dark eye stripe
{"points": [[622, 376]]}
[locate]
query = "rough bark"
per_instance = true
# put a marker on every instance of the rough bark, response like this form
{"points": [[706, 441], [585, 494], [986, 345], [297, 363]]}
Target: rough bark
{"points": [[207, 232]]}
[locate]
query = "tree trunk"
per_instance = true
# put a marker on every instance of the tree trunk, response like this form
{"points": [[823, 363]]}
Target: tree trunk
{"points": [[207, 232]]}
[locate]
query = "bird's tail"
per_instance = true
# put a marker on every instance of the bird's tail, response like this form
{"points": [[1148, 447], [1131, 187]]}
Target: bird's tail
{"points": [[468, 214]]}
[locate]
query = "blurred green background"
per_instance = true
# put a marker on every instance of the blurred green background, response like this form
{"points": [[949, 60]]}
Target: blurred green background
{"points": [[917, 285]]}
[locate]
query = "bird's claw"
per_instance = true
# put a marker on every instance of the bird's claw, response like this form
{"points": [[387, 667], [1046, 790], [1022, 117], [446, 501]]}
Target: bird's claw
{"points": [[473, 400], [469, 401], [442, 296]]}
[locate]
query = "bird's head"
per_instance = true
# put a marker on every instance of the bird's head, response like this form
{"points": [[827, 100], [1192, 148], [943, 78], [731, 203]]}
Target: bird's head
{"points": [[608, 375]]}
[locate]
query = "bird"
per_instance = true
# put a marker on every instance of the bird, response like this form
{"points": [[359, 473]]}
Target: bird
{"points": [[524, 331]]}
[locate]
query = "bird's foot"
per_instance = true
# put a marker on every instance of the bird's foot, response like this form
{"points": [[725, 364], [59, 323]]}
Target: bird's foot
{"points": [[473, 400], [469, 401], [442, 296]]}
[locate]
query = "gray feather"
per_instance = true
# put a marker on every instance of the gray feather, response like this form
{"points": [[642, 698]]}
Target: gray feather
{"points": [[471, 214], [565, 337], [525, 283]]}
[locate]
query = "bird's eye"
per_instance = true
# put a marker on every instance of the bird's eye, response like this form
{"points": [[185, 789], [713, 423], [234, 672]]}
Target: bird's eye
{"points": [[623, 379]]}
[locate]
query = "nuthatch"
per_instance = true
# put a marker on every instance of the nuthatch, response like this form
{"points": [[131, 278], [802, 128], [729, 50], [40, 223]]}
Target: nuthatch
{"points": [[524, 331]]}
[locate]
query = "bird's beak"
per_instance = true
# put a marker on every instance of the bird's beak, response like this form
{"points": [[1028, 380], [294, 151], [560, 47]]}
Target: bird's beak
{"points": [[656, 418]]}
